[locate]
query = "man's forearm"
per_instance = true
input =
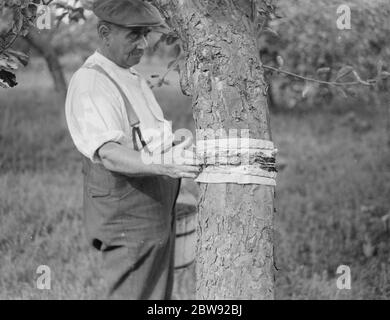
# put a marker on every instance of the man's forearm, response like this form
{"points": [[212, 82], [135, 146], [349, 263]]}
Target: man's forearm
{"points": [[118, 158]]}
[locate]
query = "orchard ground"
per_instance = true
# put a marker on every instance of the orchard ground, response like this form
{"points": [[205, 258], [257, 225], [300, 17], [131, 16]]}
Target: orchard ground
{"points": [[332, 198]]}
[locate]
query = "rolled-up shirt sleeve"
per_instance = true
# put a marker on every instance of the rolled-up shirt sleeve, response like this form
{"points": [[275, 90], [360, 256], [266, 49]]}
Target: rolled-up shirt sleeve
{"points": [[94, 116]]}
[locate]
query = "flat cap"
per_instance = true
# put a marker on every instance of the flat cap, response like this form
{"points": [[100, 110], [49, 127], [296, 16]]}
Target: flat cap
{"points": [[128, 13]]}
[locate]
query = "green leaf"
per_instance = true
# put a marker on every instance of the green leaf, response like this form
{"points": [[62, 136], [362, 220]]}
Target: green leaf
{"points": [[323, 70], [271, 31], [171, 39], [8, 65], [170, 64], [7, 79], [342, 92], [280, 61], [307, 89], [385, 74], [358, 78], [20, 56], [177, 50], [344, 71], [379, 67]]}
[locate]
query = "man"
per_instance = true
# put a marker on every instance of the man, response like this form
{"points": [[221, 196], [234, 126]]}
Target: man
{"points": [[114, 119]]}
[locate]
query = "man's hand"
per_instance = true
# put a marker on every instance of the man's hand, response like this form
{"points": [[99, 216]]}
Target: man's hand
{"points": [[185, 164], [176, 161]]}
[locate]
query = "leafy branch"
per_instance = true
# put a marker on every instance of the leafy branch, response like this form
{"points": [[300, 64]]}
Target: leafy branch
{"points": [[169, 39], [17, 17], [342, 73]]}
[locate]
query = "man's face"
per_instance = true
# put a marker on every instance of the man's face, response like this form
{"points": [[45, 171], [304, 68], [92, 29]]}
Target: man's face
{"points": [[127, 45]]}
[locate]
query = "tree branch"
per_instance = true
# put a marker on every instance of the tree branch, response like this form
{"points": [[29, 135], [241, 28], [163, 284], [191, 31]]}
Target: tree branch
{"points": [[368, 83]]}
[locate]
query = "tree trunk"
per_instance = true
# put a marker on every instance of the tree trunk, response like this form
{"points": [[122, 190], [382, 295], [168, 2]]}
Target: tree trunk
{"points": [[224, 75], [44, 48]]}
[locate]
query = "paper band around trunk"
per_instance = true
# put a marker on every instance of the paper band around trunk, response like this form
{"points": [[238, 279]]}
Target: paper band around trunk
{"points": [[214, 152]]}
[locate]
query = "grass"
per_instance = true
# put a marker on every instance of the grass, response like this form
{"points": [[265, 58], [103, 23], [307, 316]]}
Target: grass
{"points": [[332, 199]]}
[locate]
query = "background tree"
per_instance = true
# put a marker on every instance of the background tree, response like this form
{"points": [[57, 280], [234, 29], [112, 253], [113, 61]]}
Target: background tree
{"points": [[42, 43]]}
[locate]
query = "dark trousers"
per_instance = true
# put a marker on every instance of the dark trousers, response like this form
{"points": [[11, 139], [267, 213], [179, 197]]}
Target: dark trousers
{"points": [[132, 222]]}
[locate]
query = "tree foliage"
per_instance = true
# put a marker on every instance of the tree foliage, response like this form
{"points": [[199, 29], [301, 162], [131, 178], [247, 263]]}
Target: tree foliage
{"points": [[17, 17], [298, 36], [307, 41]]}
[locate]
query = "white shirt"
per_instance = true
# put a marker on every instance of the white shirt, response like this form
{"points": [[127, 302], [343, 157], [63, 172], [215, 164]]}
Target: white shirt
{"points": [[96, 113]]}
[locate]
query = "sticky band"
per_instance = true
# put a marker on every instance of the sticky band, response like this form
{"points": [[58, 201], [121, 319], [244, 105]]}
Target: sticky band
{"points": [[234, 143], [237, 160]]}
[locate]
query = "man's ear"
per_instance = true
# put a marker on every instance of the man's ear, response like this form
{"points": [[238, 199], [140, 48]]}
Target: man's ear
{"points": [[104, 32]]}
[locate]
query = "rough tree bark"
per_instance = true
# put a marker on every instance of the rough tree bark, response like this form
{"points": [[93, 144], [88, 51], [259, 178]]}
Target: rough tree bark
{"points": [[224, 75]]}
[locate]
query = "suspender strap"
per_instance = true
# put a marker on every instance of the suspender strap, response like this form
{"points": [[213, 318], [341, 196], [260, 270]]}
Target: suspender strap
{"points": [[137, 130], [131, 115]]}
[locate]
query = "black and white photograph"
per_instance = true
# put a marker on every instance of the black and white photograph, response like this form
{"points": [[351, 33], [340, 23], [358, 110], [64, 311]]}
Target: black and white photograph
{"points": [[199, 150]]}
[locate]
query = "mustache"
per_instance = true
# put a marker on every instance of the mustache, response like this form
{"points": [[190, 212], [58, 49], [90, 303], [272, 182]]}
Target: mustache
{"points": [[136, 52]]}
